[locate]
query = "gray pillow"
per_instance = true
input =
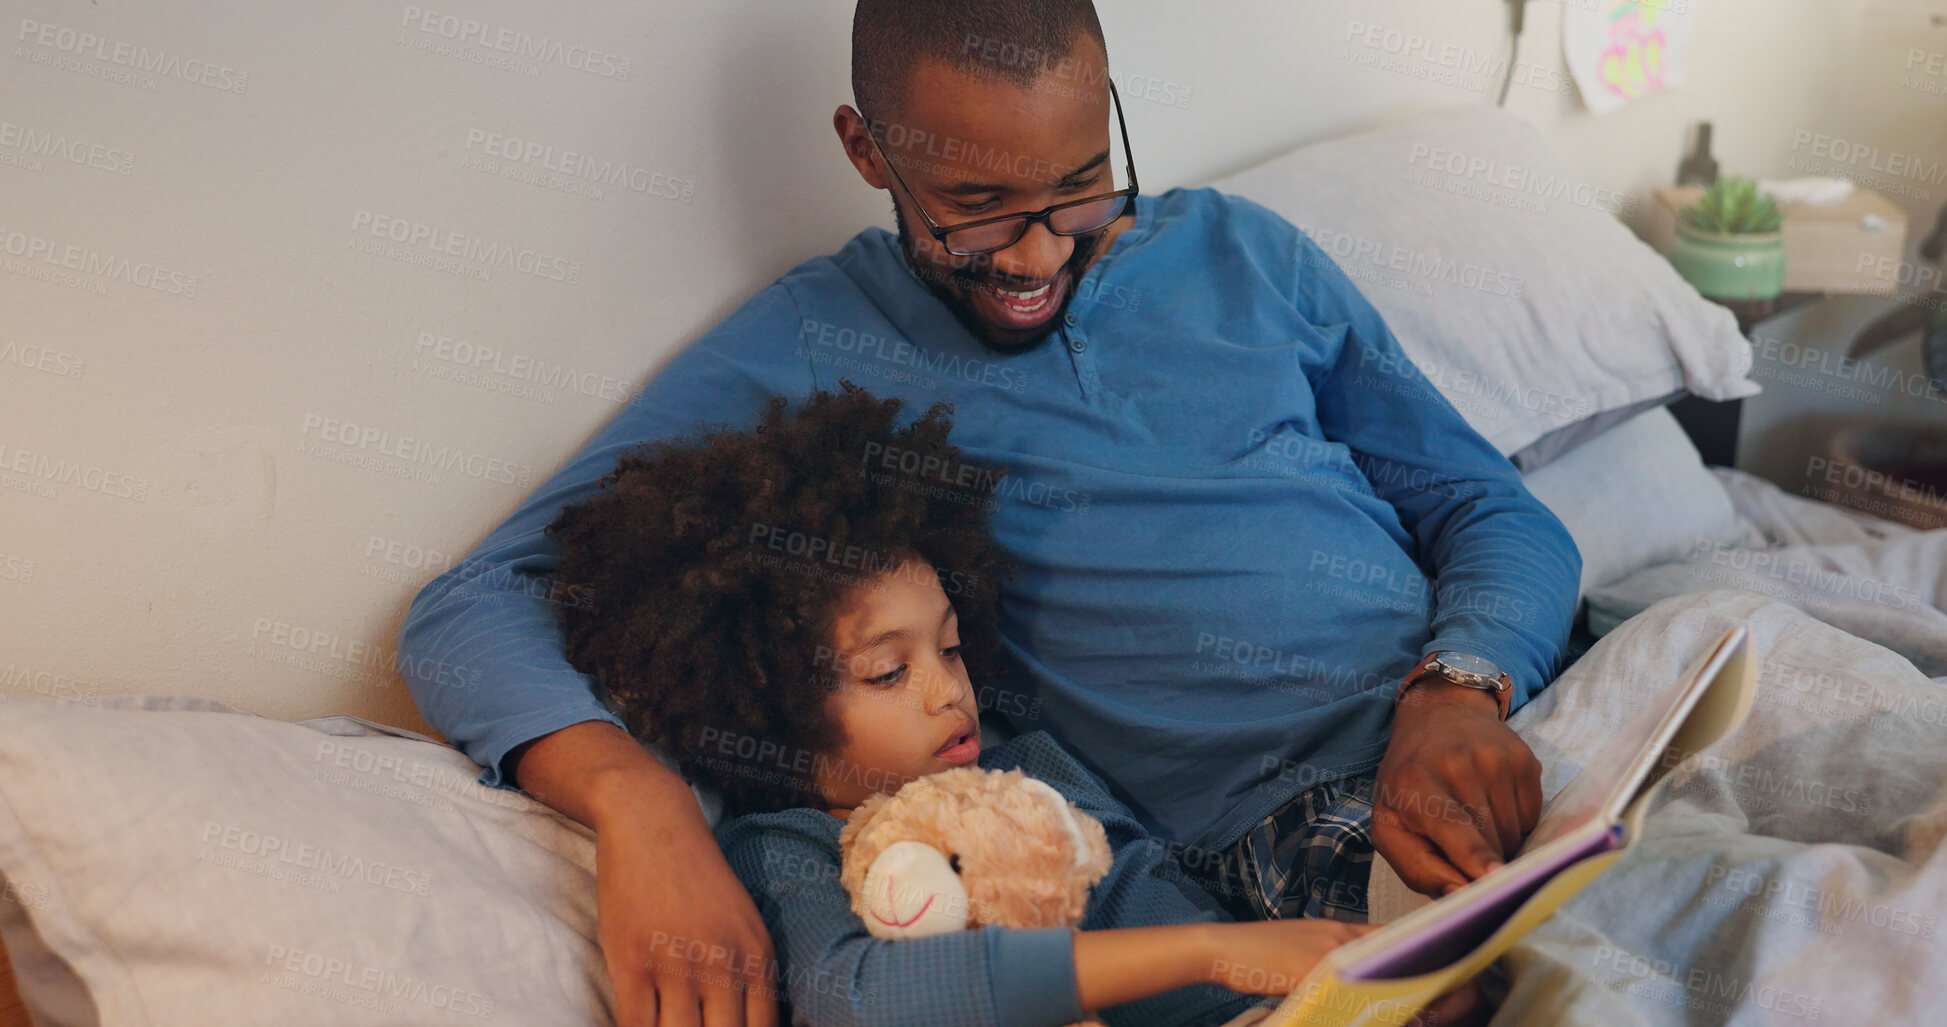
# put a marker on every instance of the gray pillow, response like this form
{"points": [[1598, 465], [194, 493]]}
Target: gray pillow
{"points": [[1636, 496], [1509, 283], [180, 861], [1560, 442]]}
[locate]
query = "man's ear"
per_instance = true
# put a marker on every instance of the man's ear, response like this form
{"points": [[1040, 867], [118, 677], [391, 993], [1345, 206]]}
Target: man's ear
{"points": [[856, 139]]}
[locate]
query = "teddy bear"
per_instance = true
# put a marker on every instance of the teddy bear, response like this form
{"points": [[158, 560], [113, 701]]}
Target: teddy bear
{"points": [[968, 848]]}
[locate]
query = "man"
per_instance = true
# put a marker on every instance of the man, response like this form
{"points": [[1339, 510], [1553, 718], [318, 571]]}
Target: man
{"points": [[1246, 525]]}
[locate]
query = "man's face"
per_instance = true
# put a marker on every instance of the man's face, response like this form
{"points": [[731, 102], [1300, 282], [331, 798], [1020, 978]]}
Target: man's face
{"points": [[972, 147]]}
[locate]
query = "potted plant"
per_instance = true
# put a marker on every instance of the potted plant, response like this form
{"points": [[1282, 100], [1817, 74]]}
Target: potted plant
{"points": [[1730, 243]]}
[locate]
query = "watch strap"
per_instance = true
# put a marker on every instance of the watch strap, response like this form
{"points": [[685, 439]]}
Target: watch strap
{"points": [[1503, 695]]}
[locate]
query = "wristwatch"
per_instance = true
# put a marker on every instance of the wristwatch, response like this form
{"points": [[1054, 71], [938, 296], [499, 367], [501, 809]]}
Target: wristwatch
{"points": [[1466, 670]]}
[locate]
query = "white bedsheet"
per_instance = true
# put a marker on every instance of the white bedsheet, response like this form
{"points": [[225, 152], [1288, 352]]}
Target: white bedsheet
{"points": [[1793, 874], [1876, 579]]}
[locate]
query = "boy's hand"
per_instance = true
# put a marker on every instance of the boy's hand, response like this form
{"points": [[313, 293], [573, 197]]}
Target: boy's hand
{"points": [[1270, 957]]}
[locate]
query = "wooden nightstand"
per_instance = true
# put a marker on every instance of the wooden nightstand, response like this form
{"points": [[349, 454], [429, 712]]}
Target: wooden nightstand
{"points": [[1711, 425], [1853, 246], [1829, 251]]}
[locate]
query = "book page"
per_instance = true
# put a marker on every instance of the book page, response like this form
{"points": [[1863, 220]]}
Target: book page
{"points": [[1622, 770], [1580, 821]]}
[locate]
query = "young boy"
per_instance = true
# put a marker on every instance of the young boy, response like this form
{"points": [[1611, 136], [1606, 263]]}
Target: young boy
{"points": [[801, 630]]}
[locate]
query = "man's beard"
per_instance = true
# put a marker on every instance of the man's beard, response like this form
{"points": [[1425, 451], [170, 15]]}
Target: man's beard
{"points": [[953, 284]]}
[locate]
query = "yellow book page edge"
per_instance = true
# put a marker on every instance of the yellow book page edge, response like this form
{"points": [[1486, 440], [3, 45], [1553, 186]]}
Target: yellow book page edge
{"points": [[1325, 1000]]}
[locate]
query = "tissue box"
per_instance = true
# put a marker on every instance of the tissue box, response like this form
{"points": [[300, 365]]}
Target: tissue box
{"points": [[1827, 249]]}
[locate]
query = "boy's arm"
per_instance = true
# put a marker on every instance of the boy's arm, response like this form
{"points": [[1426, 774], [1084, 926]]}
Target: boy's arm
{"points": [[1149, 954], [1121, 966], [836, 974], [1147, 947]]}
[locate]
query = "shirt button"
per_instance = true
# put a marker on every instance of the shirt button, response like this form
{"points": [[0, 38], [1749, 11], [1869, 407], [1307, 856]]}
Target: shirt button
{"points": [[1070, 319], [1077, 344]]}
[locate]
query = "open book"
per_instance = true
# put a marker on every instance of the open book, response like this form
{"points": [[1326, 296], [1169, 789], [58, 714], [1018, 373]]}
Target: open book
{"points": [[1388, 975]]}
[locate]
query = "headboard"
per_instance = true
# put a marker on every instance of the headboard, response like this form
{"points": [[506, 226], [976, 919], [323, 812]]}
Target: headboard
{"points": [[1712, 427]]}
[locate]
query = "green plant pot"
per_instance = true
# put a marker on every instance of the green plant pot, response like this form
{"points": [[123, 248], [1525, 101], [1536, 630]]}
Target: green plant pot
{"points": [[1725, 266]]}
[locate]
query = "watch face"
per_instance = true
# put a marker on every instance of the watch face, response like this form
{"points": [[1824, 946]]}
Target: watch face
{"points": [[1470, 663]]}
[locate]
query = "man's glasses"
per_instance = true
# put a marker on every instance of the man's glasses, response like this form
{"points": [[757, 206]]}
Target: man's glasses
{"points": [[1076, 217]]}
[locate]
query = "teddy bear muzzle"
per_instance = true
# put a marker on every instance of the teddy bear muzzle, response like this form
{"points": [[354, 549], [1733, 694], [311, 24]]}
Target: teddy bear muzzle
{"points": [[912, 891]]}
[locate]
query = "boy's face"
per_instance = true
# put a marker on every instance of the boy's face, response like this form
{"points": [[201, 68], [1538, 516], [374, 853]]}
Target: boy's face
{"points": [[903, 699]]}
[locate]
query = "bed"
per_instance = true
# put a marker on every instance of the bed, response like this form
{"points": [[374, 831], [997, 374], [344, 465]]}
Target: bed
{"points": [[1791, 873], [342, 871]]}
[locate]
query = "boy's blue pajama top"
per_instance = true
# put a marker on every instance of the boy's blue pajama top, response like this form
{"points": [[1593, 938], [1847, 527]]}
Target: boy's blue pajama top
{"points": [[838, 975], [1240, 513]]}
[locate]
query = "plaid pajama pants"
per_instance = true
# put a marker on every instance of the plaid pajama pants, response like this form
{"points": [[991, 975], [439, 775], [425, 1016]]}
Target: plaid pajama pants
{"points": [[1310, 857]]}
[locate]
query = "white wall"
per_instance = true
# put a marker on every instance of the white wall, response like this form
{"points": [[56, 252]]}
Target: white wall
{"points": [[1885, 131], [167, 523]]}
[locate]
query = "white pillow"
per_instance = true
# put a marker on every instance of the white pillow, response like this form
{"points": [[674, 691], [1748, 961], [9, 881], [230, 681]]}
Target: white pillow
{"points": [[190, 863], [1508, 282], [1638, 495]]}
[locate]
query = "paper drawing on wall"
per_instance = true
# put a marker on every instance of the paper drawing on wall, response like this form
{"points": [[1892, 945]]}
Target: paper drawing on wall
{"points": [[1622, 50]]}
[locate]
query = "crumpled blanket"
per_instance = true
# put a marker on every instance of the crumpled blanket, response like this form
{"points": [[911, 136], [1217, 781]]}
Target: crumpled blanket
{"points": [[1790, 874], [1874, 578]]}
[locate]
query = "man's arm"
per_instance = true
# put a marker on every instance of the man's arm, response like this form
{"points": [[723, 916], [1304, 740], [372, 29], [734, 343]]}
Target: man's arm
{"points": [[1507, 571], [646, 823], [1506, 575], [481, 651], [1506, 568], [481, 647]]}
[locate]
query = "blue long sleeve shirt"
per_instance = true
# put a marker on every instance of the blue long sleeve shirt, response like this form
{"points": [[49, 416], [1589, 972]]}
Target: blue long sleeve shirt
{"points": [[836, 974], [1241, 514]]}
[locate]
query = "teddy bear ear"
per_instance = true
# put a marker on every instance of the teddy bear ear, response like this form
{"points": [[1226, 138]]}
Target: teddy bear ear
{"points": [[1066, 817]]}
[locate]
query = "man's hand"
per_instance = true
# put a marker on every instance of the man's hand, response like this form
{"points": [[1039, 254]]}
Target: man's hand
{"points": [[685, 946], [1465, 1006], [1457, 790]]}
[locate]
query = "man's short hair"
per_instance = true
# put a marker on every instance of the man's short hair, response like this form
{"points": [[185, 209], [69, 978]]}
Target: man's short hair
{"points": [[1014, 40]]}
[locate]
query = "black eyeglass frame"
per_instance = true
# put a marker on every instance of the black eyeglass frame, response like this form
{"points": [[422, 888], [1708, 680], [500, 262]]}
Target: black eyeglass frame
{"points": [[1026, 218]]}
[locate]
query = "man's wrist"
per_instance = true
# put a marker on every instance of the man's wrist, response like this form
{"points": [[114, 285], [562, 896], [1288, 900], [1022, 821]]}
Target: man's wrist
{"points": [[1431, 691], [1468, 676], [594, 771], [628, 789]]}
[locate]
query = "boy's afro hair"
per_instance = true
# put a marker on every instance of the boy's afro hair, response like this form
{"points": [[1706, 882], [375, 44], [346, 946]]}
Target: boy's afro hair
{"points": [[710, 571]]}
